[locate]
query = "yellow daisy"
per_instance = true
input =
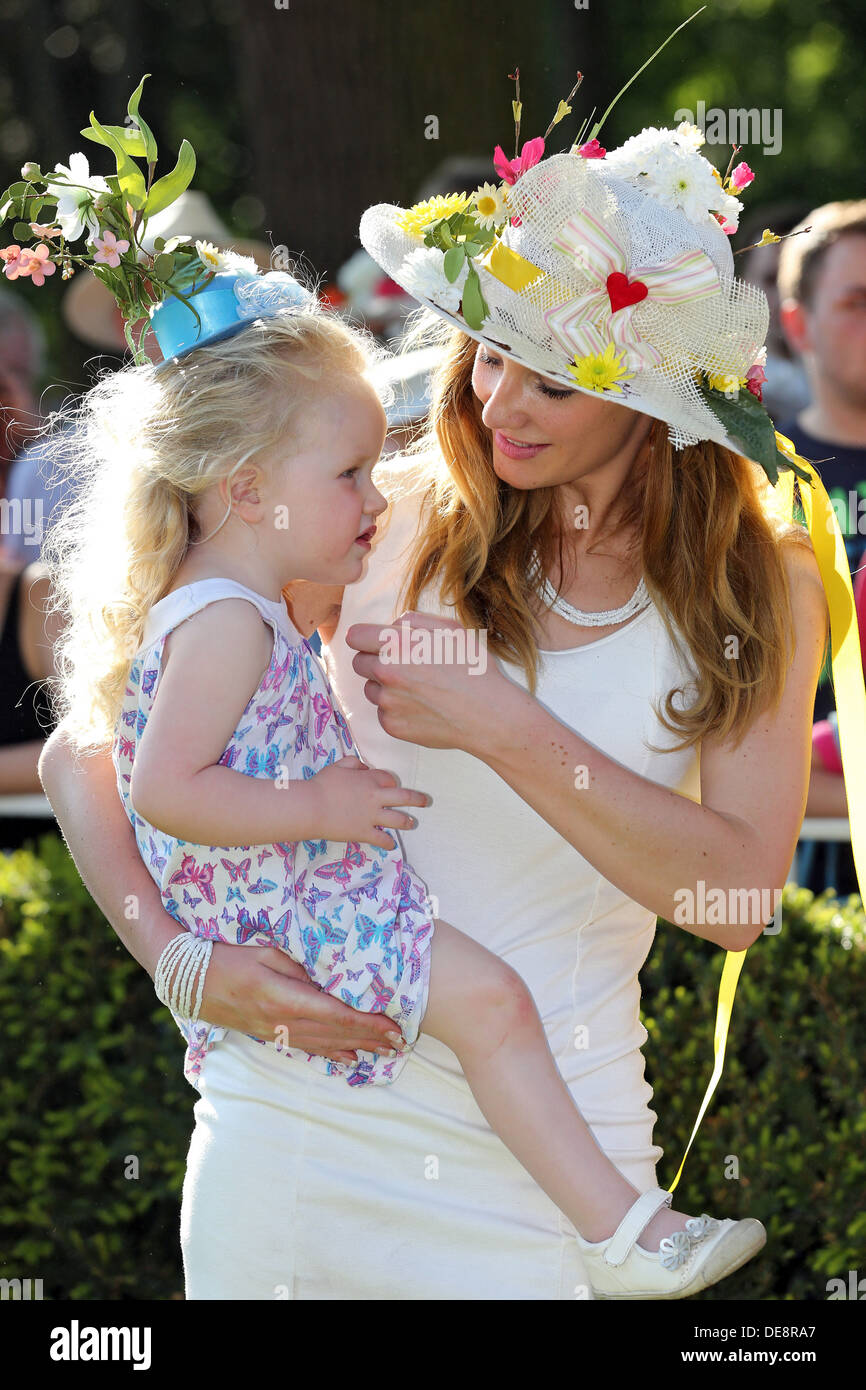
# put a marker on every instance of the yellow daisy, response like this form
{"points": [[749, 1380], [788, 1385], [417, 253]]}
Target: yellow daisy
{"points": [[600, 371], [417, 219], [727, 382]]}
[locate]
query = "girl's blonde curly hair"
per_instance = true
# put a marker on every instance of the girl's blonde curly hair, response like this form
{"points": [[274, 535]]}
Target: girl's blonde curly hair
{"points": [[142, 446]]}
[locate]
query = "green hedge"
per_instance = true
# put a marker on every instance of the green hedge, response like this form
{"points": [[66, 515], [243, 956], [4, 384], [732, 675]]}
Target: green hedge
{"points": [[791, 1104], [92, 1074]]}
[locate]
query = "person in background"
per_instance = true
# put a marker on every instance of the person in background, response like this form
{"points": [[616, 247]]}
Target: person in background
{"points": [[786, 389], [822, 292], [22, 351]]}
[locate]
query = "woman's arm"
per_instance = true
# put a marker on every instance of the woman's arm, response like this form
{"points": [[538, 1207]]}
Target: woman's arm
{"points": [[652, 843], [254, 989]]}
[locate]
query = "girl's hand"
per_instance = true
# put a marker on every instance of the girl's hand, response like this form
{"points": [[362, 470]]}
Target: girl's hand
{"points": [[357, 802], [431, 681], [260, 990]]}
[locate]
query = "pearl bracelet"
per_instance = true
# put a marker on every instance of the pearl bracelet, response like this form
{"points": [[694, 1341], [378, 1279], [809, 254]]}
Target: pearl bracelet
{"points": [[186, 958]]}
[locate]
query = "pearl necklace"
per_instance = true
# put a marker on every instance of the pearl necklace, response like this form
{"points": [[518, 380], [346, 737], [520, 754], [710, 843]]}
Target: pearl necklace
{"points": [[639, 600]]}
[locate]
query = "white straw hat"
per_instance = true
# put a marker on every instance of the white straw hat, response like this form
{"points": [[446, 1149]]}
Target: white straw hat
{"points": [[591, 263]]}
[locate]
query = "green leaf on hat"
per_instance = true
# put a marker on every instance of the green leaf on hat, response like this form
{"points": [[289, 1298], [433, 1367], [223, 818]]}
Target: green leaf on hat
{"points": [[163, 266], [129, 177], [473, 305], [125, 135], [146, 132], [747, 422], [170, 186], [454, 259], [21, 231]]}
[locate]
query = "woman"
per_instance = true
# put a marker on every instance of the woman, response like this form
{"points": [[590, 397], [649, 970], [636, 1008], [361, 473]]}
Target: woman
{"points": [[565, 817]]}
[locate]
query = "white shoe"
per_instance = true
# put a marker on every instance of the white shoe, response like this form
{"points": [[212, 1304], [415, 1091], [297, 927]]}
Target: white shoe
{"points": [[686, 1262]]}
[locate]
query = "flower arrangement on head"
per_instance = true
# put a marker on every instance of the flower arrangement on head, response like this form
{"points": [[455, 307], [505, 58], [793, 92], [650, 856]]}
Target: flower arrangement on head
{"points": [[607, 270], [187, 292]]}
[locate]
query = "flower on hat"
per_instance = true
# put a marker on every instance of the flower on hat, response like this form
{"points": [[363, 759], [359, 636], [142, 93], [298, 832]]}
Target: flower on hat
{"points": [[76, 189], [209, 255], [15, 261], [38, 265], [423, 274], [417, 219], [592, 150], [511, 169], [109, 250], [600, 371], [666, 165], [741, 177], [46, 230], [491, 209]]}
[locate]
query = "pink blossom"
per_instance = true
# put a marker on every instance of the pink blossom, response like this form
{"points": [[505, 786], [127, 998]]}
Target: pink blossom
{"points": [[741, 177], [38, 264], [45, 230], [15, 261], [727, 227], [109, 250], [510, 169], [592, 150], [755, 378]]}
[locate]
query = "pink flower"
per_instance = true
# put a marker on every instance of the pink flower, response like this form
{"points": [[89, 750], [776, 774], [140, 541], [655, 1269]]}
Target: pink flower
{"points": [[15, 261], [38, 264], [109, 250], [741, 177], [727, 227], [755, 378], [510, 169], [45, 230], [592, 150]]}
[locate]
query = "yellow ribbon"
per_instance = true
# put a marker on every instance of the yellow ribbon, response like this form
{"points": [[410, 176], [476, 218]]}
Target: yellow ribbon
{"points": [[510, 267], [847, 664]]}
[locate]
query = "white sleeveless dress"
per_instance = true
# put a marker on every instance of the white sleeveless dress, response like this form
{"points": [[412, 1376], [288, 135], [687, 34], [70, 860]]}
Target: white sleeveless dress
{"points": [[299, 1186]]}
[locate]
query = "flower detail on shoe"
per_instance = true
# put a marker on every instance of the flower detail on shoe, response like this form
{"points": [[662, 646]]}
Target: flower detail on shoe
{"points": [[674, 1250], [699, 1227]]}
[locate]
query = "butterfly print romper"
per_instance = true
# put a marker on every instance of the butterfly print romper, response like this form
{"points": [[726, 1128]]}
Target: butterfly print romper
{"points": [[354, 915]]}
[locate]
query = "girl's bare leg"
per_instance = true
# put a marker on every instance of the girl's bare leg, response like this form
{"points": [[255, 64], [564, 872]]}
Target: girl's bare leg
{"points": [[482, 1009]]}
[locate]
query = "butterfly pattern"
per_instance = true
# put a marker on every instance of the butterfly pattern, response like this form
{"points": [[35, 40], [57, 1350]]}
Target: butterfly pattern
{"points": [[355, 916]]}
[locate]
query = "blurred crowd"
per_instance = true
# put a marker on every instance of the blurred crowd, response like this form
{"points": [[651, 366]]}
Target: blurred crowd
{"points": [[815, 391]]}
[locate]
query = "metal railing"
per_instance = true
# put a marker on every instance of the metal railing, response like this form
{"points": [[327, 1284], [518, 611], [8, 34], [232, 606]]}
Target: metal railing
{"points": [[835, 829]]}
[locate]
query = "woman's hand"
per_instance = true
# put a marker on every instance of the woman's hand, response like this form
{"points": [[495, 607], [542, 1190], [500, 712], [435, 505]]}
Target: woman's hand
{"points": [[431, 680], [260, 990]]}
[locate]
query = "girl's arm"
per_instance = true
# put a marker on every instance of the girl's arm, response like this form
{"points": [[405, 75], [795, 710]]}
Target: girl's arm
{"points": [[254, 989], [212, 665], [651, 842]]}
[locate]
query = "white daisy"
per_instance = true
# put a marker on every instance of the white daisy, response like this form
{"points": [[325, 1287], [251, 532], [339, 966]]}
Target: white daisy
{"points": [[423, 275], [691, 134], [490, 206], [209, 256]]}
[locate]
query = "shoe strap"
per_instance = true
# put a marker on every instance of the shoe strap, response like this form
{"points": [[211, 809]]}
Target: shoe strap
{"points": [[634, 1221]]}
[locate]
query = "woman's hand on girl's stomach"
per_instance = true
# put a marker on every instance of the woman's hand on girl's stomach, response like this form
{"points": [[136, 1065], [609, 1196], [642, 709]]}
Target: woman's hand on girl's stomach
{"points": [[260, 990], [355, 803]]}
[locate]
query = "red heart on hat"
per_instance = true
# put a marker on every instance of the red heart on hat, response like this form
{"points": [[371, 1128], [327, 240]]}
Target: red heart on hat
{"points": [[622, 292]]}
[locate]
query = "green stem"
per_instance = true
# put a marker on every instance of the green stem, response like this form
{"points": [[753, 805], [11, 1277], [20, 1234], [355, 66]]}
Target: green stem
{"points": [[597, 127]]}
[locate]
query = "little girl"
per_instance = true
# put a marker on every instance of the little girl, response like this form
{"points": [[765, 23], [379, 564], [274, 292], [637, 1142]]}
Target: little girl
{"points": [[209, 483]]}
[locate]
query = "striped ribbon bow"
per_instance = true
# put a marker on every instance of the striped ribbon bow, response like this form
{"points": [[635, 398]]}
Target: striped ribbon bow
{"points": [[589, 323]]}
